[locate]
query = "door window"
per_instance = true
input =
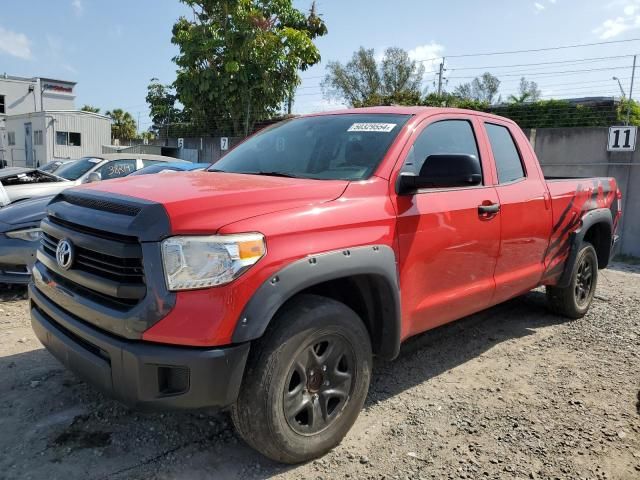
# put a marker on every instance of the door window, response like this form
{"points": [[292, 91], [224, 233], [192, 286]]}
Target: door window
{"points": [[117, 169], [505, 153], [444, 137]]}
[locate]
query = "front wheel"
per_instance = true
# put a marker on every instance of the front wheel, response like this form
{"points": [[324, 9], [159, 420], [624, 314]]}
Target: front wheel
{"points": [[574, 300], [306, 380]]}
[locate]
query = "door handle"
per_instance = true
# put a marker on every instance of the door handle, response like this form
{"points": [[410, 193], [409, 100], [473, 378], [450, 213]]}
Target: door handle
{"points": [[487, 210]]}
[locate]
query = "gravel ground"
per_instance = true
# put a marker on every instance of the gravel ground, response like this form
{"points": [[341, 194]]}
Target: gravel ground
{"points": [[512, 392]]}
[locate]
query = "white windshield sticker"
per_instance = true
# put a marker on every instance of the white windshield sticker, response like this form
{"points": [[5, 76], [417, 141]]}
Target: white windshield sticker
{"points": [[95, 160], [372, 127]]}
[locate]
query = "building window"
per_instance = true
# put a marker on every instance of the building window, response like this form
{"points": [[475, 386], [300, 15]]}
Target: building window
{"points": [[37, 137], [11, 138], [2, 107], [71, 139]]}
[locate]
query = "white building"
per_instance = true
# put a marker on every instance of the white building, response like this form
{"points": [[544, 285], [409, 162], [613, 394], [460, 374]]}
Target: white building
{"points": [[39, 123]]}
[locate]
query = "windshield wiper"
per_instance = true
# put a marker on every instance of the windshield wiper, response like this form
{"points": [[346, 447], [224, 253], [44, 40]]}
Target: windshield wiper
{"points": [[271, 174]]}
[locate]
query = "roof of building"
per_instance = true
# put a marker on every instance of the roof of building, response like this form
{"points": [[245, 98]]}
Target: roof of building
{"points": [[53, 112], [33, 79]]}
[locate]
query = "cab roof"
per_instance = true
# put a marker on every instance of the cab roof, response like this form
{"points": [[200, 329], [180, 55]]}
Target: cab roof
{"points": [[407, 110]]}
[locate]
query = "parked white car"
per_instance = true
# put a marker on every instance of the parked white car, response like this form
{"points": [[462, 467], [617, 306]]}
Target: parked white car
{"points": [[23, 183]]}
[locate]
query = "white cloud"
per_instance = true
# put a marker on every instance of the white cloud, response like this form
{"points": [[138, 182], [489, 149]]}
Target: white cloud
{"points": [[429, 54], [538, 6], [77, 6], [15, 44], [614, 26]]}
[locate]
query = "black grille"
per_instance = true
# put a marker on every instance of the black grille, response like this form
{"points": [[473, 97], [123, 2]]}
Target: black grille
{"points": [[93, 231], [99, 204], [128, 270]]}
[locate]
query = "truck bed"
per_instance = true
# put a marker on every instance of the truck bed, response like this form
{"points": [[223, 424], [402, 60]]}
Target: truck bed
{"points": [[571, 198]]}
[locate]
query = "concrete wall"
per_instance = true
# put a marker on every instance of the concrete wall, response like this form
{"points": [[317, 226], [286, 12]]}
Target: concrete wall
{"points": [[582, 152]]}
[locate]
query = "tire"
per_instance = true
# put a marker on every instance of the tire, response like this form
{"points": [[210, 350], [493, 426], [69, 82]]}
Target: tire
{"points": [[574, 300], [285, 373]]}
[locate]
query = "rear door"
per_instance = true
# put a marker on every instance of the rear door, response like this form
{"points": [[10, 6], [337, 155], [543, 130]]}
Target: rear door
{"points": [[447, 247], [525, 210]]}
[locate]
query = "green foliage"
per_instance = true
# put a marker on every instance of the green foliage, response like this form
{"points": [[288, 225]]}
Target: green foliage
{"points": [[528, 91], [623, 108], [148, 135], [453, 101], [90, 108], [362, 81], [123, 126], [557, 113], [481, 89], [239, 59], [162, 107]]}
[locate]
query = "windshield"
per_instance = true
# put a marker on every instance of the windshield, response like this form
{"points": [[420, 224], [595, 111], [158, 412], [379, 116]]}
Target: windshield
{"points": [[329, 147], [74, 170]]}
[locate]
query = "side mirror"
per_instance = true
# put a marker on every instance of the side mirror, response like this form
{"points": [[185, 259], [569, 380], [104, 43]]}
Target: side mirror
{"points": [[93, 177], [442, 171]]}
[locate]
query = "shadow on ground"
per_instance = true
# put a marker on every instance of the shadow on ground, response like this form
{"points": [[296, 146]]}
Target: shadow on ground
{"points": [[53, 425]]}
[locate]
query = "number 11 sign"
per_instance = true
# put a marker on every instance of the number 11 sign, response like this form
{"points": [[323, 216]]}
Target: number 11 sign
{"points": [[622, 139]]}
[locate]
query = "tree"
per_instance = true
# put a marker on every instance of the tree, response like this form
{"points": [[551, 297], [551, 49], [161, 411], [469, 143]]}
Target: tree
{"points": [[123, 126], [148, 135], [162, 107], [528, 91], [90, 108], [364, 82], [482, 89], [238, 60]]}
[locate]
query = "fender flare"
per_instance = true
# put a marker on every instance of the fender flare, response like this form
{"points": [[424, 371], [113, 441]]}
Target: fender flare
{"points": [[593, 217], [378, 260]]}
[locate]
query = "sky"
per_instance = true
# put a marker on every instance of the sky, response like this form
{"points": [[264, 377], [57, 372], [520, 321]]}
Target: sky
{"points": [[113, 48]]}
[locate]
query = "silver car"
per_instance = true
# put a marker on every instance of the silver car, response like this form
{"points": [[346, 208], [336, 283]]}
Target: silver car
{"points": [[22, 183]]}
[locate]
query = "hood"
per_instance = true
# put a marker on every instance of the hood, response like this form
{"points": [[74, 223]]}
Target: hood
{"points": [[13, 171], [25, 212], [203, 202]]}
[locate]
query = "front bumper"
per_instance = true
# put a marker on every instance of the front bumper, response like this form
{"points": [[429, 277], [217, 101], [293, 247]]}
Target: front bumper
{"points": [[16, 260], [139, 374]]}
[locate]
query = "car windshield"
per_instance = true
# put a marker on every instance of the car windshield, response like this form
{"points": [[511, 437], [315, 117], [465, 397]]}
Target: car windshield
{"points": [[327, 147], [74, 170]]}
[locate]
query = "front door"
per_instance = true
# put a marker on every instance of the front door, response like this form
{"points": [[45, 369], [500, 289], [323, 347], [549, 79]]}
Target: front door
{"points": [[448, 249], [28, 145]]}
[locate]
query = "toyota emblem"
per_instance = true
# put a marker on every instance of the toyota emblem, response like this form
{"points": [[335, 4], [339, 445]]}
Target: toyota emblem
{"points": [[64, 254]]}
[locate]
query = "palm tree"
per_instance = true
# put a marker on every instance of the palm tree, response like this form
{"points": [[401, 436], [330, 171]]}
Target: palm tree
{"points": [[90, 108], [522, 98], [123, 126]]}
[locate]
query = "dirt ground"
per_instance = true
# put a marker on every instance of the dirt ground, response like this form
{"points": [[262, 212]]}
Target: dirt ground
{"points": [[512, 392]]}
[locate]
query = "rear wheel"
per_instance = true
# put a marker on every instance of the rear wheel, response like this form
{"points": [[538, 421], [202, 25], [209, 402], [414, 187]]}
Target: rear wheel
{"points": [[306, 381], [574, 300]]}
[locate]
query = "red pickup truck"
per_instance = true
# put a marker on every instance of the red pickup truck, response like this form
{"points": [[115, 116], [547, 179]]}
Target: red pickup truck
{"points": [[266, 283]]}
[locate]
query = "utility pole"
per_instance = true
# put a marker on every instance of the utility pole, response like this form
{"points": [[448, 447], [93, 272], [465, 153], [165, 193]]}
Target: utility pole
{"points": [[440, 77], [633, 75]]}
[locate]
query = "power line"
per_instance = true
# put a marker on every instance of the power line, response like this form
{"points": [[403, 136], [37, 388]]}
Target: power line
{"points": [[563, 72], [530, 50], [583, 60]]}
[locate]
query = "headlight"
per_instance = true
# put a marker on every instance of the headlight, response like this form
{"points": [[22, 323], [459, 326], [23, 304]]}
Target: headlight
{"points": [[28, 234], [198, 262]]}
